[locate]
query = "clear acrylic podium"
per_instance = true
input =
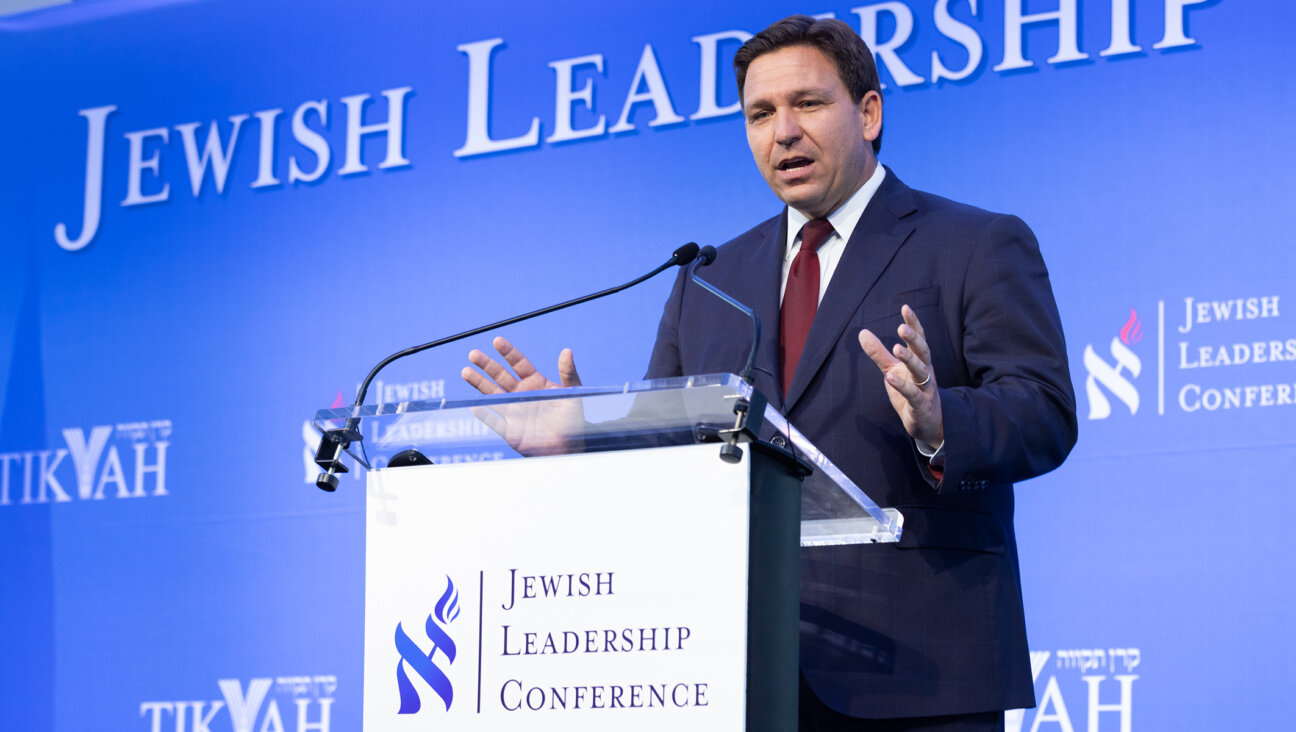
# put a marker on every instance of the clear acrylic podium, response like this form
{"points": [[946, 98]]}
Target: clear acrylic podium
{"points": [[653, 413], [639, 570]]}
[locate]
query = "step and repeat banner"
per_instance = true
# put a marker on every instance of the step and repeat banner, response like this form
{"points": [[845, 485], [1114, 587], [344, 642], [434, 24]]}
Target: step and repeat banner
{"points": [[217, 215]]}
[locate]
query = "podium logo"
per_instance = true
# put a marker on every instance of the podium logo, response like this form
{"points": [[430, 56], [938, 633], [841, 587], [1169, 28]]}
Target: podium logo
{"points": [[424, 664], [1112, 376]]}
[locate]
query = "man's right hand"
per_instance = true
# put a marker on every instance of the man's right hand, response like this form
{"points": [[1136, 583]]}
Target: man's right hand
{"points": [[541, 428], [523, 377]]}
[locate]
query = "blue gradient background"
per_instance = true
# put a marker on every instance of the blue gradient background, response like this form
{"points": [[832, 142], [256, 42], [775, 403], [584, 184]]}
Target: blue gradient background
{"points": [[1149, 177]]}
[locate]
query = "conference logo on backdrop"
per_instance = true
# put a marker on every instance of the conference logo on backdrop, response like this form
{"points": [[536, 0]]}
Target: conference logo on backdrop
{"points": [[278, 704], [1115, 378], [424, 664], [903, 35], [1209, 355], [90, 466]]}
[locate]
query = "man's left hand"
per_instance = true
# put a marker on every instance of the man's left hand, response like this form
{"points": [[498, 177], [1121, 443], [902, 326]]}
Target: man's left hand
{"points": [[910, 380]]}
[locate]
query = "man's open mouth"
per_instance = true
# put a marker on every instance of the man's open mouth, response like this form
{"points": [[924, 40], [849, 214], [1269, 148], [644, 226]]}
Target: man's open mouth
{"points": [[794, 163]]}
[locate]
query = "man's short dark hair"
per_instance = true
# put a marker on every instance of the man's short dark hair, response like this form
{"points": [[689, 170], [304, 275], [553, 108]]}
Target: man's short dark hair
{"points": [[843, 46]]}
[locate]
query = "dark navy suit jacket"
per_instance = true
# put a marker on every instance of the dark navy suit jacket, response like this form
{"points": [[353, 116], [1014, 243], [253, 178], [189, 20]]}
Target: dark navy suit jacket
{"points": [[933, 625]]}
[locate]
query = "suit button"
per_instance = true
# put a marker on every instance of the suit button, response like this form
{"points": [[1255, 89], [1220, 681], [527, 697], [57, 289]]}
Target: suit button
{"points": [[778, 441]]}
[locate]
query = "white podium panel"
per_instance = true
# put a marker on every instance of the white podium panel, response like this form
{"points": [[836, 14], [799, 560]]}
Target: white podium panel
{"points": [[542, 595]]}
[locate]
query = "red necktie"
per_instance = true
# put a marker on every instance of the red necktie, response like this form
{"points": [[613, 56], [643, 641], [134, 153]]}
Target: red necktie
{"points": [[800, 298]]}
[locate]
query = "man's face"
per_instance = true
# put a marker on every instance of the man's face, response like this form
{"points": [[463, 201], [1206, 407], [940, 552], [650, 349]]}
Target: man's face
{"points": [[810, 141]]}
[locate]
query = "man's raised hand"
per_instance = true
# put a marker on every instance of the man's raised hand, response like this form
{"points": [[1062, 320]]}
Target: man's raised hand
{"points": [[522, 377], [539, 428], [910, 380]]}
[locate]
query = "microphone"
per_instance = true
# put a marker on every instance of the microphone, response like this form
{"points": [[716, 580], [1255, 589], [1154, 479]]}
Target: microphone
{"points": [[705, 257], [686, 254], [334, 442]]}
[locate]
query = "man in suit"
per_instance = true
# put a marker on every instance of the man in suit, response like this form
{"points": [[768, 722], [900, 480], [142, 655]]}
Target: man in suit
{"points": [[971, 394]]}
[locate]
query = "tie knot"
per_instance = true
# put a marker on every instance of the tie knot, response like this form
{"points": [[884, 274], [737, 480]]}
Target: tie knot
{"points": [[814, 233]]}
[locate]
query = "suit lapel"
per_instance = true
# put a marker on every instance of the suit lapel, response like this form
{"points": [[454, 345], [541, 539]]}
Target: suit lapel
{"points": [[881, 231], [764, 301]]}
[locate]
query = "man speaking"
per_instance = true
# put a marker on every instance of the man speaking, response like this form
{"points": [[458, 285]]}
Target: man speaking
{"points": [[919, 347]]}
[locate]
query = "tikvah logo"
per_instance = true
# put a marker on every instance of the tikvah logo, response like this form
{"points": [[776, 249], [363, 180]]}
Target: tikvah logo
{"points": [[424, 664], [1113, 377], [1105, 699], [97, 469], [279, 704]]}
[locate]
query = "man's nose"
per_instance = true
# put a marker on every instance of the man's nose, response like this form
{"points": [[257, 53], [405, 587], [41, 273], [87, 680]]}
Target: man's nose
{"points": [[787, 130]]}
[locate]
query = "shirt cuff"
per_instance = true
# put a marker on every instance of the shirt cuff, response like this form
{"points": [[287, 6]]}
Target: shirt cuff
{"points": [[927, 451], [935, 458]]}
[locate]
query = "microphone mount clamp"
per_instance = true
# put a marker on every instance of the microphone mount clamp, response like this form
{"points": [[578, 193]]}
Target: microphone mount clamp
{"points": [[749, 417]]}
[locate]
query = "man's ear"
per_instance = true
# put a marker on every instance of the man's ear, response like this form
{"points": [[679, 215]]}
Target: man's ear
{"points": [[870, 106]]}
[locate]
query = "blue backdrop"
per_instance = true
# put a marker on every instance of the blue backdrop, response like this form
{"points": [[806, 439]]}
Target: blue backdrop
{"points": [[167, 562]]}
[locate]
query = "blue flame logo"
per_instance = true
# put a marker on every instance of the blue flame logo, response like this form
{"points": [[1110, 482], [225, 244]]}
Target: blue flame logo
{"points": [[424, 664]]}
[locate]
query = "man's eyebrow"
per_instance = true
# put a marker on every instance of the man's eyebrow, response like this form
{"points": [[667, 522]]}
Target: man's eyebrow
{"points": [[811, 91], [799, 93]]}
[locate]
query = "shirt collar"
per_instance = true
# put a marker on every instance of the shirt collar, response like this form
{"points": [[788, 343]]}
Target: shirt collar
{"points": [[847, 215]]}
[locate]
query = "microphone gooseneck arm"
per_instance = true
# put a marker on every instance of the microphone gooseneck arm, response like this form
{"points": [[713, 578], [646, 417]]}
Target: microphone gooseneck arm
{"points": [[749, 414], [705, 257], [334, 442], [681, 256]]}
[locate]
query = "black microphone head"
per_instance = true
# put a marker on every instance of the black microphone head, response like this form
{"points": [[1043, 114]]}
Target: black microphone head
{"points": [[685, 254], [706, 255]]}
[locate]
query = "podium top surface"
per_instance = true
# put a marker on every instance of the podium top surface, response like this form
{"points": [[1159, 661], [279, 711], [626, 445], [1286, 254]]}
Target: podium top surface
{"points": [[634, 415]]}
